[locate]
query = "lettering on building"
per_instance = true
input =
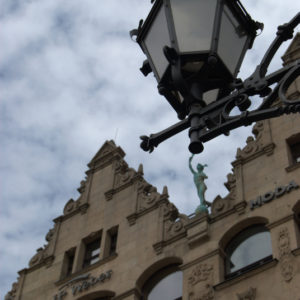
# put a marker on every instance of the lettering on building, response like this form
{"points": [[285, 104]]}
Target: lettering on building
{"points": [[87, 281], [277, 193]]}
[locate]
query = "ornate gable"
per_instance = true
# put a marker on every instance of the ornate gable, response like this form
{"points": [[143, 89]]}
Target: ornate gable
{"points": [[107, 153]]}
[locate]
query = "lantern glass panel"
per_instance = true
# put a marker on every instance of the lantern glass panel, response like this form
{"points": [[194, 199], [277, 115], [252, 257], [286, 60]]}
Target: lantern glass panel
{"points": [[193, 22], [156, 38], [232, 41], [210, 96]]}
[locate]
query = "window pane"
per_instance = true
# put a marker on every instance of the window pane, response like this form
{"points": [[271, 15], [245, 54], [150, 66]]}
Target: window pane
{"points": [[231, 41], [94, 260], [95, 252], [248, 247], [156, 39], [92, 252], [193, 21], [169, 288], [295, 150]]}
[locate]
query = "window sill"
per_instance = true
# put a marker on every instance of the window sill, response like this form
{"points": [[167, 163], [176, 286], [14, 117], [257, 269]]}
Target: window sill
{"points": [[293, 167], [246, 272], [296, 252], [86, 269]]}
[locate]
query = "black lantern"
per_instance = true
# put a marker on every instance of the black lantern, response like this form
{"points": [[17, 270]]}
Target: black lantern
{"points": [[191, 41], [195, 49]]}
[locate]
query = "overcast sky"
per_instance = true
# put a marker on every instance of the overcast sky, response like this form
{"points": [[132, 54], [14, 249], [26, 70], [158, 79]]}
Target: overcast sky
{"points": [[69, 81]]}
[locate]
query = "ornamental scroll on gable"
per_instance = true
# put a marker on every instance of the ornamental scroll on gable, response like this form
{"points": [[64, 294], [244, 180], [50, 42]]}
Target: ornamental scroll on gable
{"points": [[44, 255], [173, 224], [258, 145], [221, 205]]}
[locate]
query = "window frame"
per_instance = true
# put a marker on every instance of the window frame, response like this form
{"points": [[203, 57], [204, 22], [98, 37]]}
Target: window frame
{"points": [[157, 277], [235, 242], [90, 244], [293, 154], [68, 262]]}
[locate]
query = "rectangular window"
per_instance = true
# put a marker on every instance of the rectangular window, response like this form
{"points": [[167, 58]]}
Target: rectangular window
{"points": [[111, 241], [295, 152], [68, 262], [294, 149], [92, 252]]}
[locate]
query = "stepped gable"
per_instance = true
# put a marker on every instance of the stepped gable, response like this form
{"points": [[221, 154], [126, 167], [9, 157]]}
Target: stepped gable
{"points": [[107, 153]]}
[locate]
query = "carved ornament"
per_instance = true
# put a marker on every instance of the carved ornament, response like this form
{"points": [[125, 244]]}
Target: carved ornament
{"points": [[70, 206], [200, 283], [37, 258], [45, 253], [285, 258], [174, 228], [170, 211], [147, 197], [11, 295], [250, 294], [260, 144], [221, 205]]}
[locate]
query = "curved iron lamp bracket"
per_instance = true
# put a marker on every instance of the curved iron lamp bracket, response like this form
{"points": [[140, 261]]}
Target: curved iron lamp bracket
{"points": [[208, 122]]}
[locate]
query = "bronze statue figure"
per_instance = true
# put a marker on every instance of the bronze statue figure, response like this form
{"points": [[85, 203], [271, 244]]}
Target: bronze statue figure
{"points": [[199, 177]]}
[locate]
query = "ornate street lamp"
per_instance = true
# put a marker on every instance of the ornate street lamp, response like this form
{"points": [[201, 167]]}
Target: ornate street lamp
{"points": [[195, 49]]}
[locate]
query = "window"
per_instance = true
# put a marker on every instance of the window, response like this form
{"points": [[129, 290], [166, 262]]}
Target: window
{"points": [[112, 237], [68, 262], [294, 149], [295, 152], [92, 252], [165, 284], [169, 288], [249, 248]]}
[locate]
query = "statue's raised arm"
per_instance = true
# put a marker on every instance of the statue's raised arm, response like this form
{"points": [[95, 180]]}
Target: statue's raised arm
{"points": [[190, 164]]}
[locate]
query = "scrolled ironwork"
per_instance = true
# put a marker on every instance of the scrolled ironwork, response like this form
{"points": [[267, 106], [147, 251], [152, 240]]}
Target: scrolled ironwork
{"points": [[208, 122]]}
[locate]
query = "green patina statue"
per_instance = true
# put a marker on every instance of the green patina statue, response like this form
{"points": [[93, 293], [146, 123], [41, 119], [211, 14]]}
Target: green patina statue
{"points": [[199, 178]]}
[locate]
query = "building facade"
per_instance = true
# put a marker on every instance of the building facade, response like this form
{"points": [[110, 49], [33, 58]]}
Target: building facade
{"points": [[122, 239]]}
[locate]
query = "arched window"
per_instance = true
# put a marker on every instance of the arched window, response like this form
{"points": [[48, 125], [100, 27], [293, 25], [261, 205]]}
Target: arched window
{"points": [[249, 248], [165, 283], [169, 288]]}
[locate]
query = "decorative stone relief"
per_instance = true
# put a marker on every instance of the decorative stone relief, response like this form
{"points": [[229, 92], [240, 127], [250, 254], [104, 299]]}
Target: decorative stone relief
{"points": [[11, 295], [285, 258], [200, 283], [250, 294], [37, 258], [170, 211], [176, 227], [261, 143], [82, 187], [221, 205], [147, 197], [44, 254], [70, 206], [124, 176], [249, 149], [284, 242]]}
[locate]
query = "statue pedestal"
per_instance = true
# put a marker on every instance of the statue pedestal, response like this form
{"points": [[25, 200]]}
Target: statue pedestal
{"points": [[197, 229], [201, 209]]}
